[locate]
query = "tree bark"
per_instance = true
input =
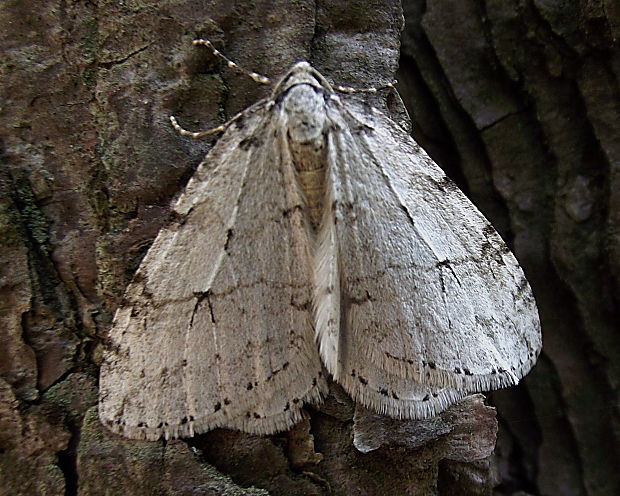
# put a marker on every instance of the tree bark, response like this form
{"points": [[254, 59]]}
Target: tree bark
{"points": [[516, 100], [519, 100]]}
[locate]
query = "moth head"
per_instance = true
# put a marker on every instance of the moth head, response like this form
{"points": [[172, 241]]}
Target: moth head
{"points": [[301, 73], [300, 96]]}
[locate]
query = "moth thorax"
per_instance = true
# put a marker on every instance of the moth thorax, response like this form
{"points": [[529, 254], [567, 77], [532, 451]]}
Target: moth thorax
{"points": [[304, 107]]}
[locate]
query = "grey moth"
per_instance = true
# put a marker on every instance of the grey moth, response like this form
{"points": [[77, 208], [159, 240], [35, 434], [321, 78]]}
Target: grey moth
{"points": [[315, 240]]}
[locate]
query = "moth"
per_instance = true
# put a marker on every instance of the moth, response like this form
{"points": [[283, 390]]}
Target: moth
{"points": [[316, 239]]}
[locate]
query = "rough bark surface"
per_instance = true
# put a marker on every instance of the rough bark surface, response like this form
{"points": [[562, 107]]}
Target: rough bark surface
{"points": [[519, 102]]}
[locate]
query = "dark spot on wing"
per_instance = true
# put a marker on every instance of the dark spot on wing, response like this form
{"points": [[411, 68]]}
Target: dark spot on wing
{"points": [[488, 230], [523, 285], [408, 215], [229, 236], [447, 264], [200, 297], [363, 128], [400, 359], [289, 211], [277, 371], [446, 185], [486, 248]]}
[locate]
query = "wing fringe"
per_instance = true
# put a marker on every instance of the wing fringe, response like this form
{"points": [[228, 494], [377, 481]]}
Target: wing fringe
{"points": [[260, 426]]}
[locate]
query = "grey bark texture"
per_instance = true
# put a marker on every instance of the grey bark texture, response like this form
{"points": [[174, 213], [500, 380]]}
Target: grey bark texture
{"points": [[517, 100]]}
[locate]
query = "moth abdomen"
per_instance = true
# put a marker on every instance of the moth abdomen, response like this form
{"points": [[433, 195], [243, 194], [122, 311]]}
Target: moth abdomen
{"points": [[306, 123]]}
